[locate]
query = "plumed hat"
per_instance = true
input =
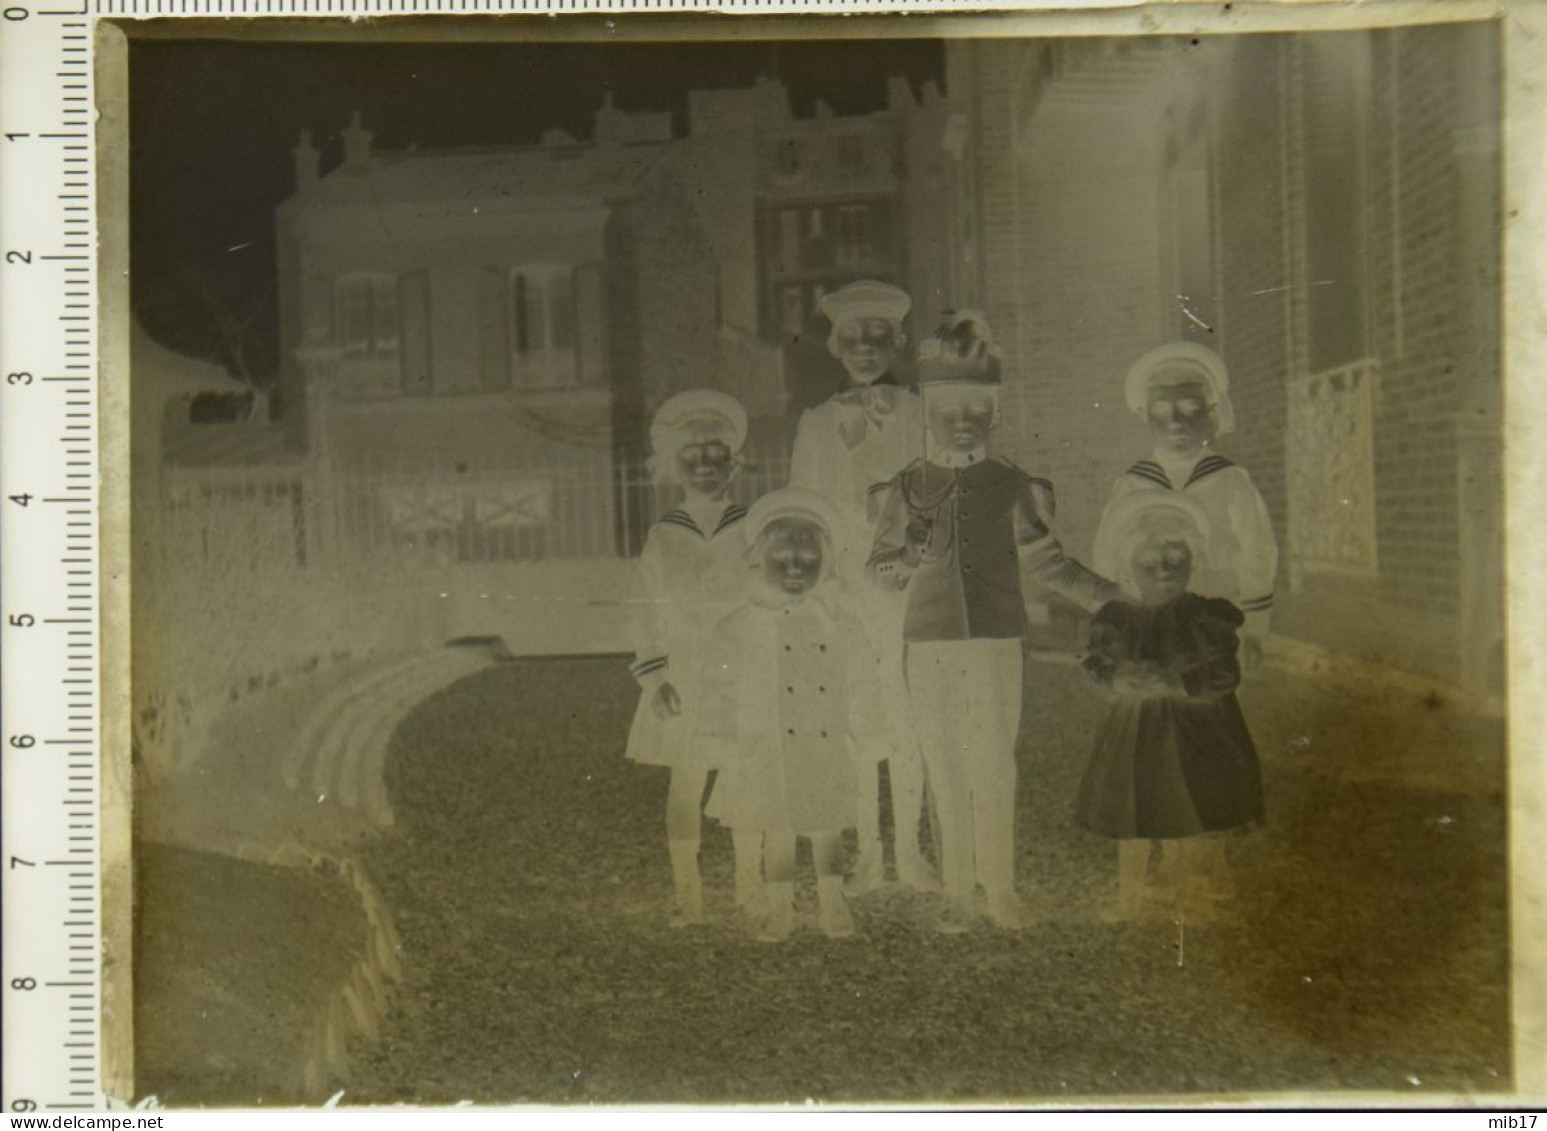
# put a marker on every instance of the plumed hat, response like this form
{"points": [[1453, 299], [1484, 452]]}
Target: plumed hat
{"points": [[960, 352], [1187, 358]]}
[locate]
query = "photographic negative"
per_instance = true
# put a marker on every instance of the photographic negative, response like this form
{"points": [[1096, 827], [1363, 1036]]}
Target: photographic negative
{"points": [[883, 564]]}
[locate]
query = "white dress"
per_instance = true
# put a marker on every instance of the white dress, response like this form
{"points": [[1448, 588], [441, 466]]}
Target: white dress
{"points": [[688, 579], [1243, 550]]}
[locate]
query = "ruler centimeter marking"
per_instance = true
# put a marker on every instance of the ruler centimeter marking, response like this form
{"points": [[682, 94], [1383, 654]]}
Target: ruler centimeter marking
{"points": [[49, 688]]}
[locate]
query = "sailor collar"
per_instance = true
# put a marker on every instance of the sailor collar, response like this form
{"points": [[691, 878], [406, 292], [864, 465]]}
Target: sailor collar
{"points": [[730, 516], [1152, 471]]}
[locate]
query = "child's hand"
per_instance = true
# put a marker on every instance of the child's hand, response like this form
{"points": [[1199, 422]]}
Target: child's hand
{"points": [[667, 703], [917, 537], [1251, 652]]}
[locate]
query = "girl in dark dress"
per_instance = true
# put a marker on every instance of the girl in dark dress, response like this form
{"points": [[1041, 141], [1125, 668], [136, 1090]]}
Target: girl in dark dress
{"points": [[1173, 761]]}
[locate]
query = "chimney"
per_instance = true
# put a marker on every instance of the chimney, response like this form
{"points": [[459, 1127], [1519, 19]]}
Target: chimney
{"points": [[609, 121], [306, 157], [357, 143]]}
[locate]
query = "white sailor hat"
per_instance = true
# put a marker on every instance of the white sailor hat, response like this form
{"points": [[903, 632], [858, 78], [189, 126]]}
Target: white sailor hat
{"points": [[697, 411], [790, 502], [1177, 358], [868, 298], [1136, 517]]}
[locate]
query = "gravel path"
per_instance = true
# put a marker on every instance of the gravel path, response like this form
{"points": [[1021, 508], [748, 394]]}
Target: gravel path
{"points": [[529, 878]]}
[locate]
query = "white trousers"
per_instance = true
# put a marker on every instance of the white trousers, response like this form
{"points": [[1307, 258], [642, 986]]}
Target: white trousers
{"points": [[967, 707]]}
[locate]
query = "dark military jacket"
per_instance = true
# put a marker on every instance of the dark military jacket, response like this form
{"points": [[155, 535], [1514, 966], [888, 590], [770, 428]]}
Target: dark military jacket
{"points": [[955, 537]]}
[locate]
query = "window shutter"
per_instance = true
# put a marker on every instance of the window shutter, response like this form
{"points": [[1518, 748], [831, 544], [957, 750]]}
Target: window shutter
{"points": [[413, 318], [494, 328], [591, 328]]}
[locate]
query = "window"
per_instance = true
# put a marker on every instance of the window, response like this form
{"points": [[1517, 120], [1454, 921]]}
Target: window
{"points": [[787, 157], [1334, 82], [851, 153], [789, 239], [1333, 392], [854, 239], [367, 314], [542, 320], [792, 315]]}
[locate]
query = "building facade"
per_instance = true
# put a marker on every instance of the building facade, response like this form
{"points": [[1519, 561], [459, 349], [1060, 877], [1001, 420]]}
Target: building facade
{"points": [[1322, 210]]}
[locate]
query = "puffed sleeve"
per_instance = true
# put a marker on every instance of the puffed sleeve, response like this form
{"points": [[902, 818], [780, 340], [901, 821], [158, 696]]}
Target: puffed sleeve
{"points": [[651, 612], [892, 560], [1044, 555], [1212, 668], [1257, 559]]}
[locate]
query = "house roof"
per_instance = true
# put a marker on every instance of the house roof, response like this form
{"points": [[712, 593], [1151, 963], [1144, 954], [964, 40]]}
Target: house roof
{"points": [[164, 373], [573, 173]]}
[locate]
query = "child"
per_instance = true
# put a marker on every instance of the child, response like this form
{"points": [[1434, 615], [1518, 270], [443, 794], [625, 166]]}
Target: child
{"points": [[791, 701], [688, 577], [1181, 390], [1173, 761], [954, 531], [861, 436]]}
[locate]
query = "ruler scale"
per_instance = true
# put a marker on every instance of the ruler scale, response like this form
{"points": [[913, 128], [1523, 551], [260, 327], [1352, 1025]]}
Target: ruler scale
{"points": [[48, 583]]}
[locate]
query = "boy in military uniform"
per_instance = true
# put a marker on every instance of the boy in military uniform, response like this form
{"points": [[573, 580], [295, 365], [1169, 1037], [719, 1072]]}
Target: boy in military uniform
{"points": [[954, 530]]}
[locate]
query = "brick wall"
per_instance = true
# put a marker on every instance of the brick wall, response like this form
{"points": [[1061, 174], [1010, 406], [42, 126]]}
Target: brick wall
{"points": [[1409, 613], [1075, 273], [1070, 249], [1255, 271]]}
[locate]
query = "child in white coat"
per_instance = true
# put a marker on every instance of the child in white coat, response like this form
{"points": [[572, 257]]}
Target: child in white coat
{"points": [[792, 700]]}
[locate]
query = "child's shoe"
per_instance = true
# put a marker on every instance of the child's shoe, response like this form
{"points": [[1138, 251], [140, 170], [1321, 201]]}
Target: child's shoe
{"points": [[687, 913], [869, 871], [955, 917], [1007, 911], [915, 871], [833, 914], [752, 899], [779, 917]]}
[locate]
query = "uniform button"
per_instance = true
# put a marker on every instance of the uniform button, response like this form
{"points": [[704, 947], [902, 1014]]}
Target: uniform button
{"points": [[786, 647], [791, 690], [824, 734], [821, 647], [790, 732], [822, 690]]}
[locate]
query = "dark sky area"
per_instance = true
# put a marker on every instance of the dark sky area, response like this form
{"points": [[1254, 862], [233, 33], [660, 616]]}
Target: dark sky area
{"points": [[212, 124]]}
